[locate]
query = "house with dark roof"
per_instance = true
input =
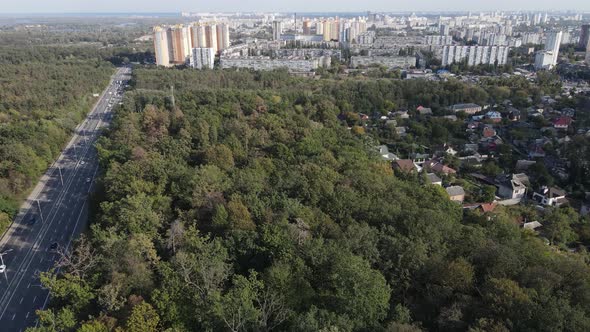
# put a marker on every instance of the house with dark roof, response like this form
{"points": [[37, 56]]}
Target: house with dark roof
{"points": [[434, 179], [405, 166], [436, 166]]}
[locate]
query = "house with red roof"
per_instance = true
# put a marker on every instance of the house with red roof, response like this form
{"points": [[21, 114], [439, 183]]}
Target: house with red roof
{"points": [[563, 122]]}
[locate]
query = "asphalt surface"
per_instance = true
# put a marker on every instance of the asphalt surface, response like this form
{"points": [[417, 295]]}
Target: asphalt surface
{"points": [[54, 214]]}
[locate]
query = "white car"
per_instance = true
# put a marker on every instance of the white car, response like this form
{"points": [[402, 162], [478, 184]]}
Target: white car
{"points": [[2, 268], [88, 180], [82, 162]]}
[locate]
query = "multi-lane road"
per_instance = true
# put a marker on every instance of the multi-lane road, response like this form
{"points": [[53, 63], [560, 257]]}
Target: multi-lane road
{"points": [[53, 215]]}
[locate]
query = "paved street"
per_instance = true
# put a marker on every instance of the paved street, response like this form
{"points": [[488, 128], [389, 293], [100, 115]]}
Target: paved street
{"points": [[54, 214]]}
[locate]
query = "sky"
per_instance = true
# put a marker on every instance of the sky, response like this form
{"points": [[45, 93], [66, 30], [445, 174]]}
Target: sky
{"points": [[145, 6]]}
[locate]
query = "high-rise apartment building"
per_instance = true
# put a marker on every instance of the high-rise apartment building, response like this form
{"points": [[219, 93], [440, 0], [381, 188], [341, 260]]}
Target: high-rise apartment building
{"points": [[211, 37], [180, 42], [547, 59], [277, 30], [202, 58], [174, 45], [584, 36], [198, 36], [161, 47], [307, 27]]}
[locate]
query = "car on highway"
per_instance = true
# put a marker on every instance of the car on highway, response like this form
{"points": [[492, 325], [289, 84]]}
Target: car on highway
{"points": [[32, 221], [88, 180], [82, 162], [2, 268], [53, 246]]}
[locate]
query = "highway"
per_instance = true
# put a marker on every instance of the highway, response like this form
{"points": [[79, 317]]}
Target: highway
{"points": [[53, 215]]}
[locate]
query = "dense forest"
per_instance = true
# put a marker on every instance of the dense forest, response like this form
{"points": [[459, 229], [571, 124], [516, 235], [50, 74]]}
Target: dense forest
{"points": [[44, 93], [244, 203]]}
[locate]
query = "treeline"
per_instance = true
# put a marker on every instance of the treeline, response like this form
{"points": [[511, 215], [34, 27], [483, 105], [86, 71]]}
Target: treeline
{"points": [[251, 207], [42, 99], [71, 54]]}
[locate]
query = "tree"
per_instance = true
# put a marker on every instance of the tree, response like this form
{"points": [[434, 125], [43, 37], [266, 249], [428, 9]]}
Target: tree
{"points": [[143, 318], [220, 155], [236, 308], [50, 321], [558, 225], [239, 216]]}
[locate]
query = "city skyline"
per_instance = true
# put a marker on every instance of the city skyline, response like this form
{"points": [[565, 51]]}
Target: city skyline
{"points": [[131, 6]]}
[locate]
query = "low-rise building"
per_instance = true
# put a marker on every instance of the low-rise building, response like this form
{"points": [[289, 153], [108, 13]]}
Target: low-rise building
{"points": [[434, 179], [563, 122], [386, 61], [456, 193], [266, 63], [404, 166], [550, 197], [467, 108]]}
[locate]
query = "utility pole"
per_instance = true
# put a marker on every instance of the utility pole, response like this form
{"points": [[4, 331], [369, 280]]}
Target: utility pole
{"points": [[3, 266], [172, 96], [40, 211]]}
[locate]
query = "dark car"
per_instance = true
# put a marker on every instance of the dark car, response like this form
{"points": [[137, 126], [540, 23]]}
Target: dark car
{"points": [[32, 221], [53, 246]]}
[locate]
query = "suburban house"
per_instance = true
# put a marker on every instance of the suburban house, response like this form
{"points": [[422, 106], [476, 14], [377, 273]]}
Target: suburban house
{"points": [[434, 179], [456, 193], [494, 116], [467, 108], [385, 154], [563, 122], [419, 158], [511, 188], [403, 114], [536, 151], [550, 196], [424, 110], [488, 131], [438, 167], [482, 207], [404, 165], [514, 114], [401, 131]]}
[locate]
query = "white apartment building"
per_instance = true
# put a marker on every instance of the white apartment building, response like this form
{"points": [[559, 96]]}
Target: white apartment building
{"points": [[161, 47], [438, 40], [266, 63], [202, 58], [475, 55], [387, 61]]}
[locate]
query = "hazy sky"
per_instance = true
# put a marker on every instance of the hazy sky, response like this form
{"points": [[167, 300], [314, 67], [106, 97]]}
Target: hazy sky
{"points": [[58, 6]]}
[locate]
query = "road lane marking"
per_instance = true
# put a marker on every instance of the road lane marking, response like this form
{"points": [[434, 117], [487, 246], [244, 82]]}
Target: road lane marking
{"points": [[13, 316], [21, 300], [27, 315], [34, 299], [29, 285]]}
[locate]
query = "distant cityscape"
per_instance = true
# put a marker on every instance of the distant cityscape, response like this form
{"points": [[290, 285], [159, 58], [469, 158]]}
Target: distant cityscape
{"points": [[304, 43]]}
